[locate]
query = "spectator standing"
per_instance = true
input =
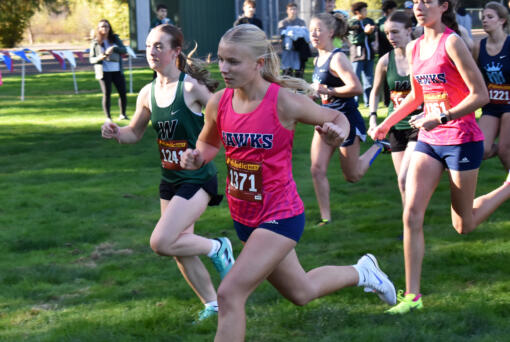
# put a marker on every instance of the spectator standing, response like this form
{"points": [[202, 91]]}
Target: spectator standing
{"points": [[248, 17], [295, 39], [161, 16], [329, 6], [361, 36], [464, 19], [384, 46], [105, 54], [408, 8]]}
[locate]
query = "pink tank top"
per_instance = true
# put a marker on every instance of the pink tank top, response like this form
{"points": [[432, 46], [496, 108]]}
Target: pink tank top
{"points": [[443, 88], [258, 153]]}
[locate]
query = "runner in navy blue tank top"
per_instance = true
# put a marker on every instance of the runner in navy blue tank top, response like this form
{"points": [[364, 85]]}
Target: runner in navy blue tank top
{"points": [[493, 55], [336, 83]]}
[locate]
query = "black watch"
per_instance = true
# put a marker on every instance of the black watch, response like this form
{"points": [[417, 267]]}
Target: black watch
{"points": [[443, 118]]}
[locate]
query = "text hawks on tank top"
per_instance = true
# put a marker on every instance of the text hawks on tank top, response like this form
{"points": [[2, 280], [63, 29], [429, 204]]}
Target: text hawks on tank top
{"points": [[178, 128], [258, 153], [399, 87], [323, 75], [443, 88], [496, 72]]}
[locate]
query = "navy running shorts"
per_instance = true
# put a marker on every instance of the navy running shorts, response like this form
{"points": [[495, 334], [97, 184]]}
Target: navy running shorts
{"points": [[497, 114], [463, 157], [358, 128], [291, 228], [187, 190], [496, 109]]}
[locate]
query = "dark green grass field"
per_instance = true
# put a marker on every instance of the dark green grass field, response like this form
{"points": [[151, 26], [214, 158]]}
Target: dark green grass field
{"points": [[77, 211]]}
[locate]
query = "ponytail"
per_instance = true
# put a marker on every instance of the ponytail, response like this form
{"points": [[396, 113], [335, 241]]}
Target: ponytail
{"points": [[194, 67], [335, 22], [449, 18]]}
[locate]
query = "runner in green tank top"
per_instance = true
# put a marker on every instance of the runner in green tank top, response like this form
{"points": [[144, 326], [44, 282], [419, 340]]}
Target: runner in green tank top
{"points": [[393, 68], [178, 128], [174, 103]]}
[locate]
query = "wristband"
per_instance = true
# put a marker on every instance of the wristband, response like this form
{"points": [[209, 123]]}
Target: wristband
{"points": [[373, 114]]}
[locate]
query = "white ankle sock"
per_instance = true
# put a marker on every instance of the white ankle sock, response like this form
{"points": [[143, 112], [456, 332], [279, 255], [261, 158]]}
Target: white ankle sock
{"points": [[361, 277], [215, 247]]}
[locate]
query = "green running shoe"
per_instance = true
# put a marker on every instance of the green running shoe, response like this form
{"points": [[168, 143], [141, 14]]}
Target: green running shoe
{"points": [[223, 260], [209, 311], [408, 303]]}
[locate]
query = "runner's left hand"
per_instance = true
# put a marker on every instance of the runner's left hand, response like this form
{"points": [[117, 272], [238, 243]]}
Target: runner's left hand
{"points": [[332, 134], [192, 159]]}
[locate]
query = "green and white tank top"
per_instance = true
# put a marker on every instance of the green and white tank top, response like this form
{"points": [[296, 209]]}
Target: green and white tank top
{"points": [[178, 128], [399, 87]]}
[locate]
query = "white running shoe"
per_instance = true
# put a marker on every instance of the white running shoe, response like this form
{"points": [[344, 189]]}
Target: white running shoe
{"points": [[375, 280]]}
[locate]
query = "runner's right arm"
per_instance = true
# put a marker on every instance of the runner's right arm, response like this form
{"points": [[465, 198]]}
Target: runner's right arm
{"points": [[132, 133]]}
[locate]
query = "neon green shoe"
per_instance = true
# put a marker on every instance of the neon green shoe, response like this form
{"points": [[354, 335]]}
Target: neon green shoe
{"points": [[322, 223], [408, 303]]}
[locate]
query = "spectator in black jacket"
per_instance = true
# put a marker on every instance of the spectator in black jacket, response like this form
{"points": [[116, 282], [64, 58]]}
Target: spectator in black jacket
{"points": [[248, 16], [297, 51], [362, 36]]}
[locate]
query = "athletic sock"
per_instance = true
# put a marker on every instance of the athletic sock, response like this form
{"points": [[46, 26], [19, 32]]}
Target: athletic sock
{"points": [[416, 296], [213, 305], [379, 149], [215, 247], [361, 276]]}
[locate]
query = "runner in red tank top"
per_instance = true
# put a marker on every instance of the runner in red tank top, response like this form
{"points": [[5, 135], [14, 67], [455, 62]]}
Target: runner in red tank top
{"points": [[446, 79], [255, 118]]}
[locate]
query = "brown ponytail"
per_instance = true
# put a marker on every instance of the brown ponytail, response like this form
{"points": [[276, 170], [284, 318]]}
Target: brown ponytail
{"points": [[191, 66], [449, 18], [335, 22]]}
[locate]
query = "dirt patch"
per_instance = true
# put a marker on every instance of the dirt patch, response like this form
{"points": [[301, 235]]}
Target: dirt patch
{"points": [[106, 249]]}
